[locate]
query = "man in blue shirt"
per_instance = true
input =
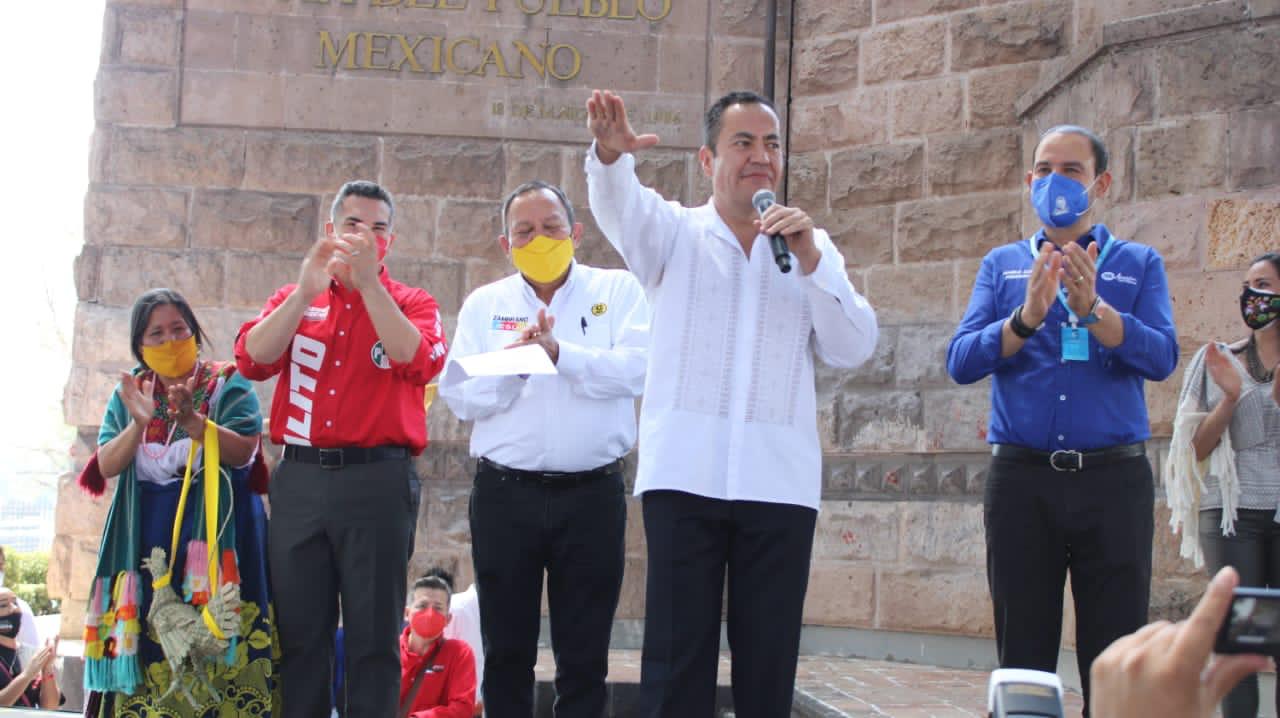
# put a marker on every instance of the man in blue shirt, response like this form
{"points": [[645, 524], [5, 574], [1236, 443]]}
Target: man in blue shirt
{"points": [[1068, 323]]}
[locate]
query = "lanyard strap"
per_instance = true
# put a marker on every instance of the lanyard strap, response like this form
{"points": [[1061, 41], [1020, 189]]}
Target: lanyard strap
{"points": [[1062, 296]]}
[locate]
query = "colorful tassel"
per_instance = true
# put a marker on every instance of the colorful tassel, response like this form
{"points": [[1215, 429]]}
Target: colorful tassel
{"points": [[91, 478], [111, 634], [195, 587]]}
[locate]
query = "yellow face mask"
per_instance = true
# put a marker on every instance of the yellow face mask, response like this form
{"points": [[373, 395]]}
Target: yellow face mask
{"points": [[543, 259], [171, 359]]}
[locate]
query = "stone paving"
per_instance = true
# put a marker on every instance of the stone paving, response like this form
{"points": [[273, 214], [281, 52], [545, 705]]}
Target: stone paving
{"points": [[834, 687]]}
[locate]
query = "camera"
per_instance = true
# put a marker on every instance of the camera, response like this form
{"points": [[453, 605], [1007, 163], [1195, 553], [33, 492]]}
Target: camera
{"points": [[1022, 693], [1252, 625]]}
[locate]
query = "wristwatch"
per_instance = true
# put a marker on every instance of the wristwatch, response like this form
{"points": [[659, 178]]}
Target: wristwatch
{"points": [[1019, 327], [1092, 317]]}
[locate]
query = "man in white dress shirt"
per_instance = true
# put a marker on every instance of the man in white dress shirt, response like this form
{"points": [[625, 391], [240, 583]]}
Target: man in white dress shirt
{"points": [[730, 468], [548, 491]]}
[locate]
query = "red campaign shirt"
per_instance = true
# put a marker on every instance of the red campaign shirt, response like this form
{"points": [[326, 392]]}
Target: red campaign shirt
{"points": [[448, 689], [337, 386]]}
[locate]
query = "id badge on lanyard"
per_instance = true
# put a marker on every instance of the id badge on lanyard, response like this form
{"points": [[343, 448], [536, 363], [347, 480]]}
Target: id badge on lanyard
{"points": [[1075, 339]]}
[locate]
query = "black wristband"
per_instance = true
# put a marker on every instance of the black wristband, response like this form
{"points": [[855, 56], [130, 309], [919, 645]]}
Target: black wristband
{"points": [[1019, 328]]}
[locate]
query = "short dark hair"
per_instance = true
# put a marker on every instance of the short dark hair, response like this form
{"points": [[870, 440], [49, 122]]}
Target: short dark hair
{"points": [[361, 188], [1271, 257], [535, 186], [714, 118], [141, 317], [435, 578], [1100, 154]]}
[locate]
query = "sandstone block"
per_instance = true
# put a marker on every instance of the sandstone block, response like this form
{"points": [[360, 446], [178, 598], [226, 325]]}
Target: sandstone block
{"points": [[975, 162], [85, 396], [817, 17], [1176, 227], [1166, 562], [857, 531], [910, 293], [443, 167], [71, 626], [734, 17], [594, 250], [1125, 92], [203, 157], [1205, 305], [80, 554], [253, 277], [631, 598], [248, 99], [943, 534], [826, 64], [1182, 158], [1010, 33], [470, 229], [736, 63], [682, 64], [923, 108], [443, 425], [136, 97], [953, 227], [88, 273], [840, 594], [1255, 148], [481, 272], [966, 276], [448, 527], [102, 337], [1241, 229], [128, 272], [130, 216], [922, 355], [807, 180], [309, 163], [864, 235], [956, 419], [77, 513], [881, 421], [935, 601], [1218, 71], [612, 59], [255, 221], [141, 36], [526, 162], [323, 102], [1173, 599], [875, 372], [831, 123], [443, 280], [665, 172], [992, 93], [222, 327], [908, 51], [876, 174], [210, 40], [414, 225], [894, 10]]}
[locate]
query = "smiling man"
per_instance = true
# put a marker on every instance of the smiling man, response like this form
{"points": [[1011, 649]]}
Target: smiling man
{"points": [[1069, 323], [730, 461]]}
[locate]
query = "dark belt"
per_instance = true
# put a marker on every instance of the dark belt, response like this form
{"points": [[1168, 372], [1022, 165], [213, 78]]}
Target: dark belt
{"points": [[336, 458], [1067, 460], [550, 478]]}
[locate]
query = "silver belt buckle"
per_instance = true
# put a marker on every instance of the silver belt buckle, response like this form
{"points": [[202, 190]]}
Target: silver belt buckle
{"points": [[1078, 460]]}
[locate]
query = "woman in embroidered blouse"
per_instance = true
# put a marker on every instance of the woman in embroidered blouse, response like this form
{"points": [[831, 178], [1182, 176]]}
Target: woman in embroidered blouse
{"points": [[155, 415], [1227, 433]]}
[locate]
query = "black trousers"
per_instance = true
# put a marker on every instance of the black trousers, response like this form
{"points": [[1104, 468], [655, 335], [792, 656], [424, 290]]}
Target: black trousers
{"points": [[693, 542], [1039, 523], [340, 532], [575, 533], [1254, 551]]}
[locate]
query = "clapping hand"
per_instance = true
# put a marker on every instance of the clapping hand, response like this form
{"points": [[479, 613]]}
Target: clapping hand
{"points": [[181, 396], [1080, 275], [1042, 285], [540, 334], [1223, 372], [135, 393]]}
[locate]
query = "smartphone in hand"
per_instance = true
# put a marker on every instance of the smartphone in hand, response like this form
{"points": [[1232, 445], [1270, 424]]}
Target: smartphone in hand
{"points": [[1252, 624]]}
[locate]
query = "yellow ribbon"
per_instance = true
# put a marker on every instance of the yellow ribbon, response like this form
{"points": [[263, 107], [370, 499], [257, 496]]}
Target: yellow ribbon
{"points": [[212, 475]]}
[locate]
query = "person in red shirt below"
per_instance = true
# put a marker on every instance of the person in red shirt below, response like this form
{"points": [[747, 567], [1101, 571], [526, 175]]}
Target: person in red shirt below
{"points": [[437, 674], [353, 350]]}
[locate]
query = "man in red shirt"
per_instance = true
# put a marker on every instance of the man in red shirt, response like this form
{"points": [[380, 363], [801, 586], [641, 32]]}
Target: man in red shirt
{"points": [[437, 674], [353, 349]]}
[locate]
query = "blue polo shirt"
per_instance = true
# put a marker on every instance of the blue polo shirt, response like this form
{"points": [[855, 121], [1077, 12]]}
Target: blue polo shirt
{"points": [[1038, 399]]}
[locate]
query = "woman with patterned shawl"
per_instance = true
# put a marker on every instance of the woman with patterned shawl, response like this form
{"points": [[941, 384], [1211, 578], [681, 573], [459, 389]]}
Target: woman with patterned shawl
{"points": [[153, 416]]}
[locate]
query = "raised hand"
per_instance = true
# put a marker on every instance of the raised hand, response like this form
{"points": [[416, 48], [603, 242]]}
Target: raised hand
{"points": [[1042, 285], [136, 395], [315, 275], [1223, 372], [1080, 276], [354, 261], [607, 120], [540, 334]]}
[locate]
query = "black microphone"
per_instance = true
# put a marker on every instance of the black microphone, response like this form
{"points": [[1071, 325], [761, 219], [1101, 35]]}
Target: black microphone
{"points": [[763, 200]]}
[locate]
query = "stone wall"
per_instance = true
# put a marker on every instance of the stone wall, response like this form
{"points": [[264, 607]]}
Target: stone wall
{"points": [[910, 124]]}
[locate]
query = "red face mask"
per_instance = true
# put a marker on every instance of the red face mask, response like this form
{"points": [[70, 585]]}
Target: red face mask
{"points": [[428, 623]]}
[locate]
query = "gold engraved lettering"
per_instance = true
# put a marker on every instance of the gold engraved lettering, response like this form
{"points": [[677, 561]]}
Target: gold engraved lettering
{"points": [[372, 48], [449, 58], [641, 6], [613, 12], [410, 54], [595, 8], [539, 64], [527, 11], [574, 55], [331, 55], [492, 56]]}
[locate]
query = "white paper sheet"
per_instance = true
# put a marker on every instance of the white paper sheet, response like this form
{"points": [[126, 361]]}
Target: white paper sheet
{"points": [[529, 359]]}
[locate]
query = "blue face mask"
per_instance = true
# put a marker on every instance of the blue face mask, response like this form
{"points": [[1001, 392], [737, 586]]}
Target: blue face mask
{"points": [[1059, 200]]}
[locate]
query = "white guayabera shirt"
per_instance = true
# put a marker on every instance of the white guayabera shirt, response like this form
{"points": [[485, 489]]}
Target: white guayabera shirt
{"points": [[729, 406]]}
